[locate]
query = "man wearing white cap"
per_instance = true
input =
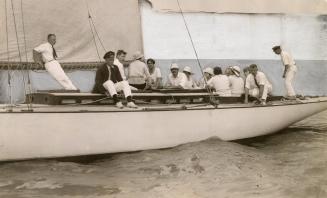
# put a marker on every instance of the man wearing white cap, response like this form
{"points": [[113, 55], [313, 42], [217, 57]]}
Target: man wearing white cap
{"points": [[190, 83], [236, 82], [208, 73], [49, 57], [289, 70], [138, 73], [176, 79]]}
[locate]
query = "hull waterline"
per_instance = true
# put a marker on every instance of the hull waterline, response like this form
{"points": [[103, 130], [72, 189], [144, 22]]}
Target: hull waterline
{"points": [[48, 134]]}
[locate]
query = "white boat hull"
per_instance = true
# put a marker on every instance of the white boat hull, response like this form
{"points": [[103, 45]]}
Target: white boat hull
{"points": [[48, 134]]}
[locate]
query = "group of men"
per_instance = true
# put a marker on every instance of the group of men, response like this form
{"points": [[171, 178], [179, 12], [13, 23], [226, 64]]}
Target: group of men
{"points": [[110, 77]]}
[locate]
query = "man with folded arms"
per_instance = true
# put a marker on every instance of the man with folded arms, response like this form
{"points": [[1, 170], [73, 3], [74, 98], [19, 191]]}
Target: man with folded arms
{"points": [[49, 56]]}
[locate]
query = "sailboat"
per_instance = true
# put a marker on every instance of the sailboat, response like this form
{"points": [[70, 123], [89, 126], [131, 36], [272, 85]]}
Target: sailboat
{"points": [[60, 124]]}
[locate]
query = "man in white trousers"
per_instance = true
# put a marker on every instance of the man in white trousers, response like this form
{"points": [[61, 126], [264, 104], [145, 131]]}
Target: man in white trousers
{"points": [[257, 85], [108, 79], [49, 57], [289, 71]]}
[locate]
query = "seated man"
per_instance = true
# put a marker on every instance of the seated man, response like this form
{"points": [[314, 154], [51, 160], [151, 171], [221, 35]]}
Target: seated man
{"points": [[138, 73], [176, 79], [257, 85], [220, 83], [190, 83], [236, 81], [108, 78], [49, 57]]}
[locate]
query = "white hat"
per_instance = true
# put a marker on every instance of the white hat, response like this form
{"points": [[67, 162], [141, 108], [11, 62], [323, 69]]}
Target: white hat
{"points": [[174, 66], [208, 70], [138, 55], [236, 70], [187, 69]]}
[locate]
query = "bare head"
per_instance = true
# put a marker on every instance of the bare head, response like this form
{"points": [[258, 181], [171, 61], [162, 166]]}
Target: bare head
{"points": [[150, 62], [277, 49], [246, 71], [109, 57], [121, 55], [228, 71], [217, 71], [253, 69], [52, 39]]}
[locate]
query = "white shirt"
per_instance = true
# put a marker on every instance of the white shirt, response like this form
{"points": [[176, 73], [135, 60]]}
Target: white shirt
{"points": [[46, 50], [121, 68], [287, 59], [236, 85], [138, 72], [155, 75], [180, 80], [261, 79], [189, 83], [221, 84]]}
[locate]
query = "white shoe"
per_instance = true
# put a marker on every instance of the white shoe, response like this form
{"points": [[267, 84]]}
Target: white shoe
{"points": [[119, 105], [131, 105]]}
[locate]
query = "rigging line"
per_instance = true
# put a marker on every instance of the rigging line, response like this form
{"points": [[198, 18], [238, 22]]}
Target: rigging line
{"points": [[94, 40], [96, 32], [18, 46], [195, 52], [90, 24], [8, 59], [27, 64]]}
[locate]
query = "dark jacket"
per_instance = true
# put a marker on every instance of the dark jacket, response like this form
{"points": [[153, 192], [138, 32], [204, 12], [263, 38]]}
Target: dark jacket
{"points": [[102, 75]]}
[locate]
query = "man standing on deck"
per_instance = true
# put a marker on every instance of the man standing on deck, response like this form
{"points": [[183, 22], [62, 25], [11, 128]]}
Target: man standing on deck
{"points": [[257, 85], [289, 71], [49, 57], [108, 78]]}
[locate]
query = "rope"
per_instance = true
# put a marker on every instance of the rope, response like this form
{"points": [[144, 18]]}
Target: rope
{"points": [[8, 59], [18, 46], [196, 55], [27, 64], [91, 28]]}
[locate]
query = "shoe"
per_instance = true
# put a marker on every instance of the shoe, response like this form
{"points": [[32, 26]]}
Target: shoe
{"points": [[119, 105], [132, 105]]}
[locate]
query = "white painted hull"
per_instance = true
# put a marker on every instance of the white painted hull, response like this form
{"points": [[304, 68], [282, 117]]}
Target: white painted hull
{"points": [[58, 134]]}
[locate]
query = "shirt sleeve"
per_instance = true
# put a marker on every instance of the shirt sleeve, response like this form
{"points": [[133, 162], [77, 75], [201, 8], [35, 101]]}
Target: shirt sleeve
{"points": [[286, 58], [247, 82], [158, 72], [41, 48], [146, 71], [210, 82], [183, 80], [261, 78]]}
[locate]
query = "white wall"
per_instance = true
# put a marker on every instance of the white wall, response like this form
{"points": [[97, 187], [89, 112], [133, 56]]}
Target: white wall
{"points": [[232, 36]]}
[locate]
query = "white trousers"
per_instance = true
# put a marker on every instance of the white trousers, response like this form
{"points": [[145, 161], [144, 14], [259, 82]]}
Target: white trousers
{"points": [[112, 88], [289, 76], [255, 92], [55, 70]]}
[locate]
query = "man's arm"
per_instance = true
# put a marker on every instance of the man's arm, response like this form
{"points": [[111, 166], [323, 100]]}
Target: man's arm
{"points": [[37, 57]]}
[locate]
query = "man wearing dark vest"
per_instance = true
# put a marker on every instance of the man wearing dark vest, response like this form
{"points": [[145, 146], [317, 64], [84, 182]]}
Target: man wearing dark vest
{"points": [[108, 78]]}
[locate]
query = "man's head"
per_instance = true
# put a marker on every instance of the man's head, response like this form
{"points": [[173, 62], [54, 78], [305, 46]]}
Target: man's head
{"points": [[109, 57], [138, 56], [174, 69], [246, 71], [52, 39], [121, 55], [277, 49], [150, 62], [253, 68], [228, 71], [217, 71]]}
